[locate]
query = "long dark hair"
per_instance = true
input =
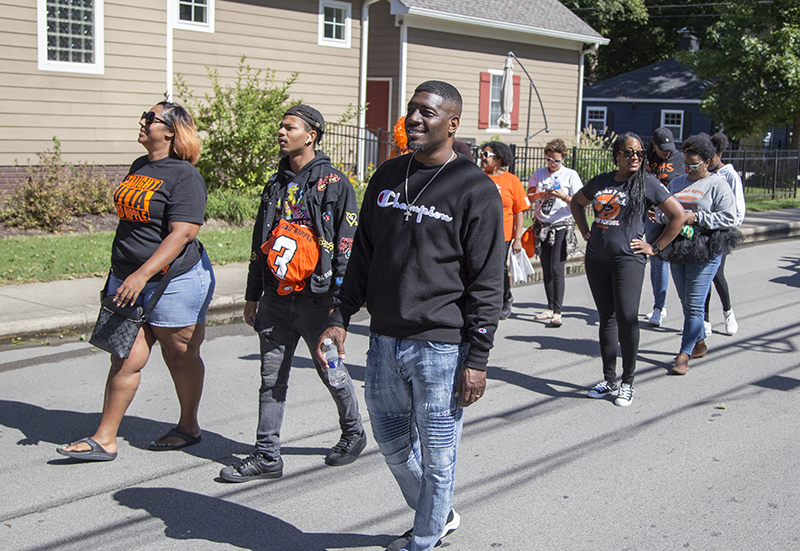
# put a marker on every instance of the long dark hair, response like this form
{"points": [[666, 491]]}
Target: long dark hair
{"points": [[635, 185]]}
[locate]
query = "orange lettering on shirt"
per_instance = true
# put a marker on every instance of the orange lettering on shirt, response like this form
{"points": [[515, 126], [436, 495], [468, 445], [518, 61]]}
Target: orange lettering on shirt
{"points": [[132, 198]]}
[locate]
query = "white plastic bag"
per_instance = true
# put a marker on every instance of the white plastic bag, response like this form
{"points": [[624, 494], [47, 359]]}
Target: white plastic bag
{"points": [[521, 267]]}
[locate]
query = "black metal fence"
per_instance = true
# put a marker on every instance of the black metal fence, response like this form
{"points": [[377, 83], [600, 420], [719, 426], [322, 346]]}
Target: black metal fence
{"points": [[771, 174]]}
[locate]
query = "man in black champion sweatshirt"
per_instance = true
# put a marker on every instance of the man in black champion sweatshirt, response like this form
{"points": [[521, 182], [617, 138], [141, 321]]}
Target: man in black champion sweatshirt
{"points": [[427, 260]]}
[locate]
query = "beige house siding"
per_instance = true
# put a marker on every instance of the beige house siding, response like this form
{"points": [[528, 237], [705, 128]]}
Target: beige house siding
{"points": [[384, 51], [280, 39], [96, 116], [460, 59]]}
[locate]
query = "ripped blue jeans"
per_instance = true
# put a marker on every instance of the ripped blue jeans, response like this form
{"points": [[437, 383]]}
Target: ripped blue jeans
{"points": [[410, 393]]}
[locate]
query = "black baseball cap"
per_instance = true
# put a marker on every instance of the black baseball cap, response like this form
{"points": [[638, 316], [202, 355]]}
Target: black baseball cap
{"points": [[310, 115], [664, 139]]}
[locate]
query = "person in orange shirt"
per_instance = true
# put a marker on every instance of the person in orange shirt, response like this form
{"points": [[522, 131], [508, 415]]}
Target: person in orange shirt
{"points": [[495, 157]]}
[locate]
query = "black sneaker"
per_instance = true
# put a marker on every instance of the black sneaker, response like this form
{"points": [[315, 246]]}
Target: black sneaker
{"points": [[451, 525], [347, 450], [253, 467], [505, 313]]}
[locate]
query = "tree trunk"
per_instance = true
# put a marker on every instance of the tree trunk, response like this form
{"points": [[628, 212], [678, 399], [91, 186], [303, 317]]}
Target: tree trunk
{"points": [[795, 144]]}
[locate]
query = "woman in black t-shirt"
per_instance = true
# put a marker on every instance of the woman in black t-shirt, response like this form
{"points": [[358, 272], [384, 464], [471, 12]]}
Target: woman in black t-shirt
{"points": [[161, 205], [615, 254]]}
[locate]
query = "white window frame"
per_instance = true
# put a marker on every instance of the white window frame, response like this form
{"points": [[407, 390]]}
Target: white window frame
{"points": [[348, 23], [96, 68], [589, 121], [494, 128], [178, 23], [666, 112]]}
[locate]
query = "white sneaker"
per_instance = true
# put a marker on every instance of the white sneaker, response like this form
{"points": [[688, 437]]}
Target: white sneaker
{"points": [[451, 525], [707, 325], [453, 522], [625, 395], [731, 327], [656, 316]]}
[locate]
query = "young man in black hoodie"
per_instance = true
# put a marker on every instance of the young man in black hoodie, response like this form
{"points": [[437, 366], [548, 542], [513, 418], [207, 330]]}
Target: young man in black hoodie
{"points": [[301, 243], [428, 261]]}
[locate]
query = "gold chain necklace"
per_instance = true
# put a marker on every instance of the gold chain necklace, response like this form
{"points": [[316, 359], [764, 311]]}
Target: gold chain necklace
{"points": [[407, 214]]}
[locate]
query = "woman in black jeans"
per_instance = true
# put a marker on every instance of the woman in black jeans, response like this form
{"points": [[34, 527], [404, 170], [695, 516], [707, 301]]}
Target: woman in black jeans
{"points": [[615, 254]]}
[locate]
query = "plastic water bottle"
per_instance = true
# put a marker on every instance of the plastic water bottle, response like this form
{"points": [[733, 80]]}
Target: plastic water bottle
{"points": [[337, 374], [556, 185]]}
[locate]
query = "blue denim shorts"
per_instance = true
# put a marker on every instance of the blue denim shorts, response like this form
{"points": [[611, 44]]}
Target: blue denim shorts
{"points": [[185, 300]]}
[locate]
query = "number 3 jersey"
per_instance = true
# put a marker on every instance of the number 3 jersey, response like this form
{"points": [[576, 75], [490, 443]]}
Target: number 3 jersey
{"points": [[292, 253], [316, 206]]}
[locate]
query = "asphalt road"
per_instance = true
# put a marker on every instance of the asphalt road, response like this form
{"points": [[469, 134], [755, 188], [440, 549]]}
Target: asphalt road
{"points": [[705, 461]]}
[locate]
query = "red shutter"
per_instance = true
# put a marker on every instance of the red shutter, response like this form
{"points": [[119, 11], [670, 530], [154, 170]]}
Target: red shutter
{"points": [[515, 112], [484, 99]]}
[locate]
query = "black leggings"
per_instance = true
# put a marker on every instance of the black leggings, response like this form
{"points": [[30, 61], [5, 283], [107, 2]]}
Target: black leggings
{"points": [[616, 285], [721, 285], [553, 259]]}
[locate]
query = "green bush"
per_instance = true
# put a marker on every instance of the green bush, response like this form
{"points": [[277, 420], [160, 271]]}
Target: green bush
{"points": [[56, 192], [238, 124], [237, 207]]}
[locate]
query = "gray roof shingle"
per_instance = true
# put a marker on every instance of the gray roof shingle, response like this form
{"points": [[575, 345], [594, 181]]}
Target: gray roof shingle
{"points": [[668, 80], [550, 16]]}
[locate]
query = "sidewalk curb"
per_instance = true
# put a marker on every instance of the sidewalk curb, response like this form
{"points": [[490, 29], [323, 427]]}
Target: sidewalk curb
{"points": [[227, 308]]}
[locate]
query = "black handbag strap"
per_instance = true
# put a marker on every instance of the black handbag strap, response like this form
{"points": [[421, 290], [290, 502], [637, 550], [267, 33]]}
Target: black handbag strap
{"points": [[162, 286]]}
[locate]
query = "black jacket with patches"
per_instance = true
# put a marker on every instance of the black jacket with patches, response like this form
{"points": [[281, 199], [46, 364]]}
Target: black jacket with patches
{"points": [[332, 207]]}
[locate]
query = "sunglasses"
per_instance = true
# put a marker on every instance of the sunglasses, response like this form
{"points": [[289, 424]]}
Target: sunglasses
{"points": [[487, 154], [630, 153], [695, 166], [150, 116], [554, 161]]}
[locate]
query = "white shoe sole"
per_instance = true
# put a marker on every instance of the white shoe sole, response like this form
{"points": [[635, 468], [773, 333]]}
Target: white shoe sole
{"points": [[453, 525]]}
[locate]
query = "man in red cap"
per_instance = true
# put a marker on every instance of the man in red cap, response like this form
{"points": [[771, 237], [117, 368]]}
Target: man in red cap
{"points": [[301, 244]]}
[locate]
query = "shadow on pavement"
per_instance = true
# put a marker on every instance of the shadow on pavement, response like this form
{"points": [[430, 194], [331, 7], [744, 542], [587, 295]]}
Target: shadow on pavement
{"points": [[59, 427], [192, 516]]}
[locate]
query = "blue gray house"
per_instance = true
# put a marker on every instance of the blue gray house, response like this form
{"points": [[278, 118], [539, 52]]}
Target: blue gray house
{"points": [[664, 94]]}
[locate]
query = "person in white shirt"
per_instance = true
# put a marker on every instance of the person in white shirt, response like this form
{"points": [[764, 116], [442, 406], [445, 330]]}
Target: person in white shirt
{"points": [[551, 189]]}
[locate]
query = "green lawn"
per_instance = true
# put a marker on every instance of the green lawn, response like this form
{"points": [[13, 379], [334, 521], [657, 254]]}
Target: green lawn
{"points": [[24, 259]]}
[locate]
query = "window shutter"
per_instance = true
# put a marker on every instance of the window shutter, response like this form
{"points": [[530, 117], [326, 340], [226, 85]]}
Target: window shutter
{"points": [[609, 122], [484, 99], [656, 120], [515, 112]]}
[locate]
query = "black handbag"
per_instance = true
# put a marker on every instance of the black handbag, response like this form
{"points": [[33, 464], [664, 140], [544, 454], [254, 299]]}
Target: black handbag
{"points": [[117, 326]]}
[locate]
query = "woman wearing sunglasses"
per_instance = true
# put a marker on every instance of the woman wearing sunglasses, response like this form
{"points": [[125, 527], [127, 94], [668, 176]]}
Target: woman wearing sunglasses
{"points": [[161, 205], [709, 234], [615, 255], [551, 189], [495, 157]]}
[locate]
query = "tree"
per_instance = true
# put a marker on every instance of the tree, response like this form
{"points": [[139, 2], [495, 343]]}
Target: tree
{"points": [[238, 124], [640, 34], [752, 60]]}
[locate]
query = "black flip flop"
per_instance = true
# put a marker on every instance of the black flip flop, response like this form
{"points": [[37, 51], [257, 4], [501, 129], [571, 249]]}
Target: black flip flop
{"points": [[96, 453], [189, 440]]}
